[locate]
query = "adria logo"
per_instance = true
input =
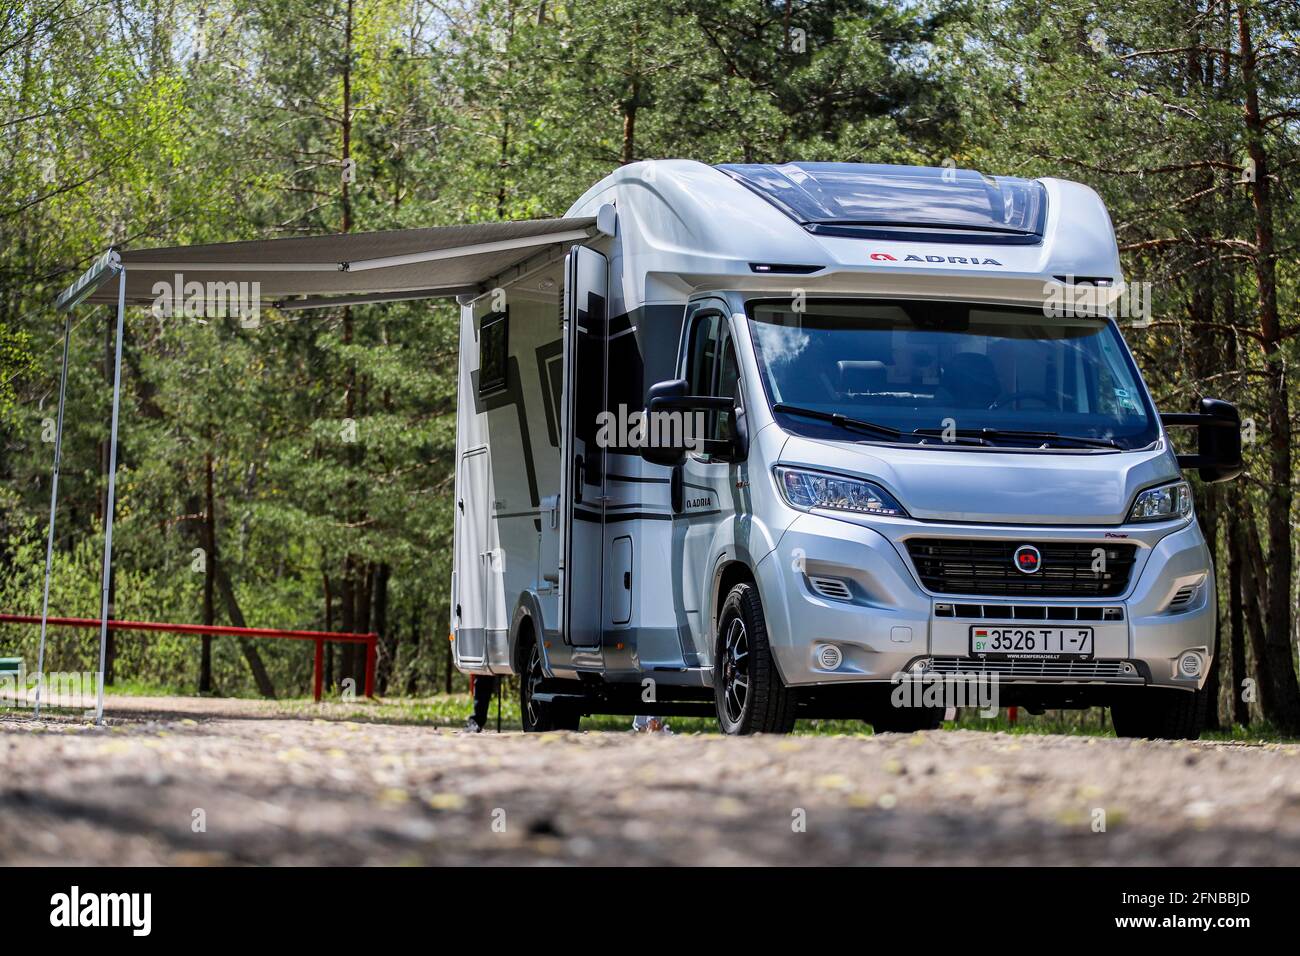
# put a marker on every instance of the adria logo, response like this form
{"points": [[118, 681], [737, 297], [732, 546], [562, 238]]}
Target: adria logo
{"points": [[954, 260]]}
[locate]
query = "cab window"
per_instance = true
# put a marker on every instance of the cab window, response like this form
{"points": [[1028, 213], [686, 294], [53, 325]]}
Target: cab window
{"points": [[712, 369]]}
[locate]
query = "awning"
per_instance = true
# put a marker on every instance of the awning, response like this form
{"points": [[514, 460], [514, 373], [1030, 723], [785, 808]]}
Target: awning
{"points": [[370, 266], [301, 273]]}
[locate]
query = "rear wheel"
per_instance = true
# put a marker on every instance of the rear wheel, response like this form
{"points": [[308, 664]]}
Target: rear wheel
{"points": [[1161, 713], [539, 716], [747, 690]]}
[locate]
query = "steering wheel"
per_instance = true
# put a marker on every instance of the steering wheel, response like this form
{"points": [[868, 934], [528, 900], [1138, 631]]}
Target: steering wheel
{"points": [[1024, 395]]}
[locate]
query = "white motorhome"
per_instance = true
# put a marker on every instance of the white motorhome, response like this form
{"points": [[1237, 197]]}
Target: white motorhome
{"points": [[896, 440]]}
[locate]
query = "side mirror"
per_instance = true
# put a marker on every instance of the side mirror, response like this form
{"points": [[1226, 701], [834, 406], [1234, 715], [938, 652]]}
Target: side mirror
{"points": [[672, 425], [1218, 439]]}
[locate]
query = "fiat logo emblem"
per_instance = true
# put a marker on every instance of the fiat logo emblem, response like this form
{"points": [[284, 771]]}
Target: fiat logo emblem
{"points": [[1027, 559]]}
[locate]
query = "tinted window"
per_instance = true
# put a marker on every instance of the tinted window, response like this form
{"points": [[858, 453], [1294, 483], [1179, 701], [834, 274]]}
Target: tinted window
{"points": [[700, 357], [712, 369], [493, 351], [916, 365], [727, 385], [863, 194]]}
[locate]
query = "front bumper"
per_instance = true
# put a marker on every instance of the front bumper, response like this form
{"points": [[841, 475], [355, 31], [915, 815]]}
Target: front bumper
{"points": [[884, 622]]}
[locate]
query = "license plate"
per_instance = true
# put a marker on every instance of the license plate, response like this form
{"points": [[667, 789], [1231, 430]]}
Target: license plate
{"points": [[1040, 643]]}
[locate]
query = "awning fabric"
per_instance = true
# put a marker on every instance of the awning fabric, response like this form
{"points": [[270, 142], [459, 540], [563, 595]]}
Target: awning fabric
{"points": [[443, 260]]}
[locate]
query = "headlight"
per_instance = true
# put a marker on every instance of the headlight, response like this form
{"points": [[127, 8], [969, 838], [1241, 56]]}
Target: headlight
{"points": [[1160, 504], [817, 489]]}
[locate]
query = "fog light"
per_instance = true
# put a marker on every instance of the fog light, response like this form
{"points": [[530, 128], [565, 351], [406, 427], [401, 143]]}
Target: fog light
{"points": [[830, 657], [1189, 665]]}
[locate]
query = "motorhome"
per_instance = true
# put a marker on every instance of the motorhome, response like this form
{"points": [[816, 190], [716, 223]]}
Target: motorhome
{"points": [[773, 438], [763, 441]]}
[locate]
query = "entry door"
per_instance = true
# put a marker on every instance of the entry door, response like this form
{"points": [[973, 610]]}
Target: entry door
{"points": [[473, 555], [708, 494], [582, 481]]}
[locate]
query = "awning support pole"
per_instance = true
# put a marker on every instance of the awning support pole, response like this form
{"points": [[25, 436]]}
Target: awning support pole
{"points": [[112, 489], [54, 500]]}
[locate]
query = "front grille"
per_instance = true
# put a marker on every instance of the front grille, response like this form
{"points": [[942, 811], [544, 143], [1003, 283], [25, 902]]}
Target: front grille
{"points": [[980, 566], [1031, 612], [1036, 670]]}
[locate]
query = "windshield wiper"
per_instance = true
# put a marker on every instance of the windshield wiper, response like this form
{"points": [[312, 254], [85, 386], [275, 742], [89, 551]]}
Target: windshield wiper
{"points": [[992, 434], [978, 436], [835, 418]]}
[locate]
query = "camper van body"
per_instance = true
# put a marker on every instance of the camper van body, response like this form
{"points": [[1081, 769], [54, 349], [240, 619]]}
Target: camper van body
{"points": [[599, 574]]}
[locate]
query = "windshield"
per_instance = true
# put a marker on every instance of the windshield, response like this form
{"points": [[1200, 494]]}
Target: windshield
{"points": [[931, 370]]}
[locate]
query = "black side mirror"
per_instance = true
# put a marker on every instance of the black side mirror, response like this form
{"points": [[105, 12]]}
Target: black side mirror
{"points": [[671, 427], [1218, 439]]}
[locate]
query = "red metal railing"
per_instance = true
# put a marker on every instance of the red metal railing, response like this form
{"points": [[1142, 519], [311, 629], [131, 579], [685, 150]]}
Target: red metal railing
{"points": [[320, 637]]}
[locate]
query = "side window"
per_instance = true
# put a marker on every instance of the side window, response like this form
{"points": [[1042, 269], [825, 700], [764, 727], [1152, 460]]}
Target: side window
{"points": [[727, 384], [701, 354], [712, 369], [493, 352]]}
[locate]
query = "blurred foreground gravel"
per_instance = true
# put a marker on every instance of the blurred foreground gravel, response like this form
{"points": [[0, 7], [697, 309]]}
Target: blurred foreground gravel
{"points": [[278, 790]]}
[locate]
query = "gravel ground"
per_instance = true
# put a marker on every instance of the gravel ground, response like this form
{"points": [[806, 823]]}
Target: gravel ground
{"points": [[199, 782]]}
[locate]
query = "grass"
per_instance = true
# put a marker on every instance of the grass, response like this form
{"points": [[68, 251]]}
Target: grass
{"points": [[144, 688], [451, 710]]}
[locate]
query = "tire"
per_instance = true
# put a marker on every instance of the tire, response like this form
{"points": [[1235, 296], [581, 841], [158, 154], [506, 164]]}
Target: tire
{"points": [[887, 719], [1160, 713], [539, 717], [747, 690]]}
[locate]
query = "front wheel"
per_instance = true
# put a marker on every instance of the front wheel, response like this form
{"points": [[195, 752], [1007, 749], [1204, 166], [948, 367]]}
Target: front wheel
{"points": [[1161, 713], [537, 715], [887, 719], [747, 690]]}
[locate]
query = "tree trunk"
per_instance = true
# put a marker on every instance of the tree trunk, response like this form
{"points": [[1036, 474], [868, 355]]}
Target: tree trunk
{"points": [[209, 581], [1279, 694], [1201, 319], [628, 154], [347, 619], [246, 646], [413, 670], [387, 642], [329, 626], [1209, 520], [1240, 706], [1257, 619], [362, 624]]}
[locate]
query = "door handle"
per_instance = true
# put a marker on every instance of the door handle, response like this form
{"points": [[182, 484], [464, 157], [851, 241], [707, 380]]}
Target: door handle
{"points": [[627, 580]]}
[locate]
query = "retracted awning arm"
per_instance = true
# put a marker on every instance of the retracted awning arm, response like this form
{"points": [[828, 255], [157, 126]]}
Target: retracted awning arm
{"points": [[102, 270], [437, 262]]}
